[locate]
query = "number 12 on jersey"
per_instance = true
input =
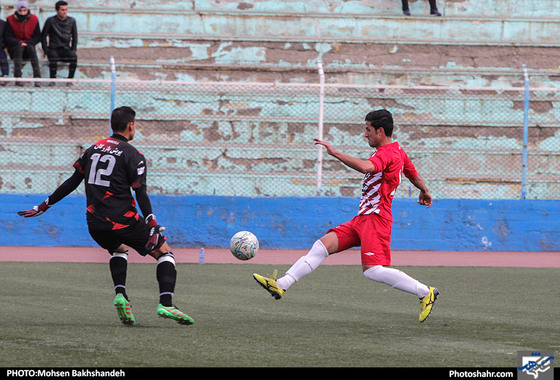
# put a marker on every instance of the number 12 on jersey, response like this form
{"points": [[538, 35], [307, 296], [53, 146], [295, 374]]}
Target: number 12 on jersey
{"points": [[95, 173]]}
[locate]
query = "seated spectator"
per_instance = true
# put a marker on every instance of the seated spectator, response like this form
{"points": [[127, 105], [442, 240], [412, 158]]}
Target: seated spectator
{"points": [[60, 40], [21, 35]]}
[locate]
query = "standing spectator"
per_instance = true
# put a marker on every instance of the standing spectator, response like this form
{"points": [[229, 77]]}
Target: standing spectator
{"points": [[3, 57], [59, 40], [433, 8], [22, 34]]}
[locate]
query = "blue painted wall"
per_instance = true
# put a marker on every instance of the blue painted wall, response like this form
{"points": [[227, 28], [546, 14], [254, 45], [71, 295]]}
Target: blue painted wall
{"points": [[209, 221]]}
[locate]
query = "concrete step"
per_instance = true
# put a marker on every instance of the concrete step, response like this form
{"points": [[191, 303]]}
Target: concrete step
{"points": [[246, 104], [288, 171], [515, 22], [291, 27], [528, 9], [382, 62], [411, 72]]}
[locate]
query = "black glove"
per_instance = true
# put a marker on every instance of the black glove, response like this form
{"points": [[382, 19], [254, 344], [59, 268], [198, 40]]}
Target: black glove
{"points": [[36, 210], [156, 237]]}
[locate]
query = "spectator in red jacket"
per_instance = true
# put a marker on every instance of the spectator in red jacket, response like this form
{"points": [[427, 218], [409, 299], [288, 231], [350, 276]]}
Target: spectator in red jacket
{"points": [[22, 34]]}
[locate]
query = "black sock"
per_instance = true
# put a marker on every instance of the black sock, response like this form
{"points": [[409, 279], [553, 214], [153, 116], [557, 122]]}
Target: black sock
{"points": [[118, 266], [166, 275]]}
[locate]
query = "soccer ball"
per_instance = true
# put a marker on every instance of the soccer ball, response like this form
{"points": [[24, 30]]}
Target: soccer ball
{"points": [[244, 245]]}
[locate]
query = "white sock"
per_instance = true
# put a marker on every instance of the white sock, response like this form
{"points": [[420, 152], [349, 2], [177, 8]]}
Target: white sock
{"points": [[305, 265], [166, 257], [397, 279]]}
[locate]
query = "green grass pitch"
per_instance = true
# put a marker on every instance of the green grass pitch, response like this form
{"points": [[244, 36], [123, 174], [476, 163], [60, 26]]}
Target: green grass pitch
{"points": [[61, 315]]}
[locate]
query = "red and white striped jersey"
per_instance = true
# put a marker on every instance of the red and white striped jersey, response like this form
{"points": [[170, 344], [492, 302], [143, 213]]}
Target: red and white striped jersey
{"points": [[378, 188]]}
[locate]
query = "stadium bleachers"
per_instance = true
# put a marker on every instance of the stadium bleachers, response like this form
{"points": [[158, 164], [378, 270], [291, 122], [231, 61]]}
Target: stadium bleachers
{"points": [[476, 43]]}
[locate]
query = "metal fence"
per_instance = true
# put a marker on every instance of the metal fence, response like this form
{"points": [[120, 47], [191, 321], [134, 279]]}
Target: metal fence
{"points": [[255, 139]]}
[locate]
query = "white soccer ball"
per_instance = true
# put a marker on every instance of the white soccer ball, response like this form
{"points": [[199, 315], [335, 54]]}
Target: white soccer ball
{"points": [[244, 245]]}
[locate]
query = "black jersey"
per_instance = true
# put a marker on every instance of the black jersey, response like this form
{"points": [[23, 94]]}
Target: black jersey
{"points": [[111, 167]]}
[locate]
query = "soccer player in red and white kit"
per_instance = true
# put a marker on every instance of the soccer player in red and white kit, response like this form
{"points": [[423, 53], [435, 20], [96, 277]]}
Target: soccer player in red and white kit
{"points": [[110, 168], [371, 227]]}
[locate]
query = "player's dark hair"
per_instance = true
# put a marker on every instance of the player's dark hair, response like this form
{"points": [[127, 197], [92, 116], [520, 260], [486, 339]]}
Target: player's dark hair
{"points": [[381, 119], [59, 4], [121, 117]]}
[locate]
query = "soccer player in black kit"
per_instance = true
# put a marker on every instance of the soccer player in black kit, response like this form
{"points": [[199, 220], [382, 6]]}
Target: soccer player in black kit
{"points": [[110, 168]]}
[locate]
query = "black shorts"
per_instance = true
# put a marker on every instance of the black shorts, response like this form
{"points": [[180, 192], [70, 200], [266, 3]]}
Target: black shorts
{"points": [[135, 236]]}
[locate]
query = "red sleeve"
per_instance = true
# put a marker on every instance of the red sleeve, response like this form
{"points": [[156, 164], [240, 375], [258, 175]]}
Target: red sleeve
{"points": [[379, 161], [409, 170], [382, 158]]}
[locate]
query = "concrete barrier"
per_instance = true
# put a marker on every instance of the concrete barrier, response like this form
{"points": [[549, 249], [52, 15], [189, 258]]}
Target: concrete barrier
{"points": [[295, 223]]}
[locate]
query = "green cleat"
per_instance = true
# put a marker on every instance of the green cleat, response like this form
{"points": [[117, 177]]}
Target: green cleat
{"points": [[177, 315], [269, 283], [124, 310], [427, 303]]}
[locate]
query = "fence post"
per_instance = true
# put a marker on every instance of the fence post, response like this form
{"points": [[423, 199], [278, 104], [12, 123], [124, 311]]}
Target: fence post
{"points": [[525, 133], [113, 80], [320, 127]]}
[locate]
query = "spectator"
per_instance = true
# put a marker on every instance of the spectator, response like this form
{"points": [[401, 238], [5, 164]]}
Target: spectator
{"points": [[59, 40], [433, 8], [3, 57], [22, 34]]}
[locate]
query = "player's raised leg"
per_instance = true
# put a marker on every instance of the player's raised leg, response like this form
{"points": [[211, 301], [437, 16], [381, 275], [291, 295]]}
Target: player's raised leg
{"points": [[427, 303], [304, 266], [269, 284]]}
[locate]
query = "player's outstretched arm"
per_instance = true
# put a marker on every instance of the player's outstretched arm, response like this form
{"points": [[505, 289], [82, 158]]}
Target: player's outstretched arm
{"points": [[35, 210], [62, 191], [363, 166]]}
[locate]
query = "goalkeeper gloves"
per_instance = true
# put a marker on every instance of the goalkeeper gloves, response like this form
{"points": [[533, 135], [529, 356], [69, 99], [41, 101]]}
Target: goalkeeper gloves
{"points": [[156, 237], [36, 210]]}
